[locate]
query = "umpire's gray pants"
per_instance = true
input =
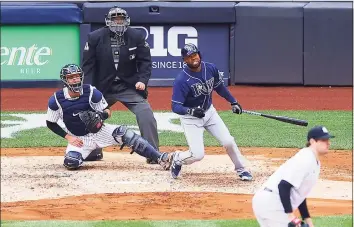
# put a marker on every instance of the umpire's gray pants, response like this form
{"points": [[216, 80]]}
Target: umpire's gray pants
{"points": [[140, 107]]}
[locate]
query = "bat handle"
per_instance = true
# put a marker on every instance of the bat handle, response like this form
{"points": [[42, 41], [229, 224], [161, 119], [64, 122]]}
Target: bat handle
{"points": [[251, 112]]}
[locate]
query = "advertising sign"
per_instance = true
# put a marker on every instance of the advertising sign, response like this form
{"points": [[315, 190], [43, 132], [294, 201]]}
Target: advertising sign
{"points": [[37, 52], [166, 43]]}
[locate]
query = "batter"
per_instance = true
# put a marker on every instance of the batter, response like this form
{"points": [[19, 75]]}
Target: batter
{"points": [[286, 190], [192, 99]]}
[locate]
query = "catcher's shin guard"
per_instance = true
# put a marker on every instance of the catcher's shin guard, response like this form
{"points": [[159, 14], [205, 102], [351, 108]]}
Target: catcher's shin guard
{"points": [[137, 143]]}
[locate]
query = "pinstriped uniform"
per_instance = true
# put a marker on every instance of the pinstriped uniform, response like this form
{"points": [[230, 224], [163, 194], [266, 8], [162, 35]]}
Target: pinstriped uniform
{"points": [[91, 141]]}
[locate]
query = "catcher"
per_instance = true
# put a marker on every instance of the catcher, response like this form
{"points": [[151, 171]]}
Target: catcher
{"points": [[287, 188], [83, 110]]}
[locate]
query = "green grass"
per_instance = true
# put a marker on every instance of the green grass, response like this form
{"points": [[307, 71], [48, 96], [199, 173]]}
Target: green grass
{"points": [[249, 131], [336, 221]]}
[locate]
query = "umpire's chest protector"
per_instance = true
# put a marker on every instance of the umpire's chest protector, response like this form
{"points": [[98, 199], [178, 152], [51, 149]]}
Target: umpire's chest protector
{"points": [[71, 109], [127, 67]]}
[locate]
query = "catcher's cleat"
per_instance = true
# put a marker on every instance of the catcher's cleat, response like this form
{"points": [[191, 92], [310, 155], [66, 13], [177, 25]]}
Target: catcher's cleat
{"points": [[150, 161], [95, 155], [245, 175]]}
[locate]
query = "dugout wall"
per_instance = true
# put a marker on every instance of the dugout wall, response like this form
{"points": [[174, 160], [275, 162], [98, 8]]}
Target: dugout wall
{"points": [[270, 43], [168, 26]]}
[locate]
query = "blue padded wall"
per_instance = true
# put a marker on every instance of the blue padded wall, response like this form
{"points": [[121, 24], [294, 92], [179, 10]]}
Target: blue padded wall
{"points": [[269, 43], [328, 43]]}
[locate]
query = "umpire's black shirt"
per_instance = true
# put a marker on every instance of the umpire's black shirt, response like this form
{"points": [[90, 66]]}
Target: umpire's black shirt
{"points": [[134, 60]]}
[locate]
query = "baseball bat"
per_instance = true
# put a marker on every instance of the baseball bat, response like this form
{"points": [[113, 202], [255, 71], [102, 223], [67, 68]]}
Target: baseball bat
{"points": [[279, 118]]}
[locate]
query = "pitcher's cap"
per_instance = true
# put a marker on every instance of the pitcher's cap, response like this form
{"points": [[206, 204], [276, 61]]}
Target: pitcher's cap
{"points": [[318, 132]]}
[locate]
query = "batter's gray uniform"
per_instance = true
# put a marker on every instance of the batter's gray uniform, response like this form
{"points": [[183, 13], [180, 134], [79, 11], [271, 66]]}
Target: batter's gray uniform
{"points": [[192, 90]]}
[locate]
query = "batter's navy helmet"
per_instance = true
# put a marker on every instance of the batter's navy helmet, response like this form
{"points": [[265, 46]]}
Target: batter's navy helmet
{"points": [[189, 49]]}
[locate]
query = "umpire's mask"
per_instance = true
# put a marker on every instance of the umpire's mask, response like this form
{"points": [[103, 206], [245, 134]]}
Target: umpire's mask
{"points": [[73, 77], [117, 20]]}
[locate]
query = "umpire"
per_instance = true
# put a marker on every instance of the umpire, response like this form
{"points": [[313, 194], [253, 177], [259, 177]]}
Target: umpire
{"points": [[117, 61]]}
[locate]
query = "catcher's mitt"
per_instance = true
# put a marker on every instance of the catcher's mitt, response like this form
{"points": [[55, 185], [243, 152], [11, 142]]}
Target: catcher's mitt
{"points": [[92, 120]]}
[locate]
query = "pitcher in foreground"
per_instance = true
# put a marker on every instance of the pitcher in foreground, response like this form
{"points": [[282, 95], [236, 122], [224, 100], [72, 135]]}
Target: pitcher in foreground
{"points": [[192, 99], [83, 110], [287, 188]]}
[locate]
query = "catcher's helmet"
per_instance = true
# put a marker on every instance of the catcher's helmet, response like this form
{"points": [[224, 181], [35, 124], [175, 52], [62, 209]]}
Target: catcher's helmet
{"points": [[118, 27], [71, 69], [189, 49]]}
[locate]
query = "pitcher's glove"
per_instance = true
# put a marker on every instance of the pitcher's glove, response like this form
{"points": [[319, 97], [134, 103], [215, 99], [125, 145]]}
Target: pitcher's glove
{"points": [[297, 223], [92, 120]]}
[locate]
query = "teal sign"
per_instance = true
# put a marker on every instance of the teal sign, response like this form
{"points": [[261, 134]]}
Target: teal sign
{"points": [[37, 52]]}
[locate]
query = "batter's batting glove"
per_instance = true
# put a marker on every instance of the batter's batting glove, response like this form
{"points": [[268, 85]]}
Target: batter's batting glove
{"points": [[236, 108], [196, 112]]}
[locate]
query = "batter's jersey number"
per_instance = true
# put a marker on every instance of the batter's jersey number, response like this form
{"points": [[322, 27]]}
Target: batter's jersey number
{"points": [[158, 33]]}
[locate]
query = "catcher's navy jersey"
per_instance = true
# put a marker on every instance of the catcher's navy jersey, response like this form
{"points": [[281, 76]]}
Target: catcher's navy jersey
{"points": [[193, 89], [62, 106]]}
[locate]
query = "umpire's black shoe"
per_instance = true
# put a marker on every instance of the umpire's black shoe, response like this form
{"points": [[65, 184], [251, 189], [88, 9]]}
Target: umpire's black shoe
{"points": [[95, 155], [150, 161]]}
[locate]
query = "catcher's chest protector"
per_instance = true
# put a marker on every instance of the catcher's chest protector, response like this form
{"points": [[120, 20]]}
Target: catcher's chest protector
{"points": [[71, 109]]}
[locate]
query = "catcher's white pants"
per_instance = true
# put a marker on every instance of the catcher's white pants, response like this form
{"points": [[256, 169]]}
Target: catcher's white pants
{"points": [[269, 210], [91, 141]]}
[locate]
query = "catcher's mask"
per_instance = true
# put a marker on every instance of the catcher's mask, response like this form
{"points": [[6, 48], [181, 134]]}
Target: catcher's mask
{"points": [[117, 20], [68, 72]]}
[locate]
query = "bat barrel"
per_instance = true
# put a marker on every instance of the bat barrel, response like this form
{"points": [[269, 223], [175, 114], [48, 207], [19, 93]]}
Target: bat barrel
{"points": [[278, 118]]}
